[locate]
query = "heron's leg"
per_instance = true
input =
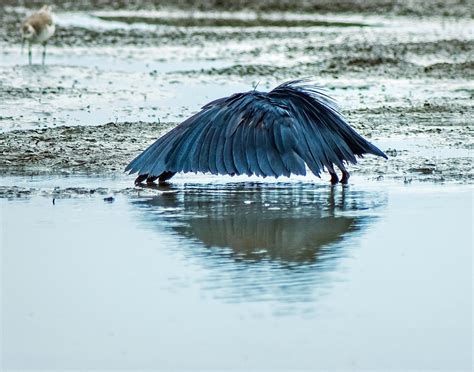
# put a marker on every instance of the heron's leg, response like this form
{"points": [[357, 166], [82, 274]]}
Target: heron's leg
{"points": [[140, 179], [165, 176], [29, 53], [332, 172], [44, 53], [345, 177], [334, 177]]}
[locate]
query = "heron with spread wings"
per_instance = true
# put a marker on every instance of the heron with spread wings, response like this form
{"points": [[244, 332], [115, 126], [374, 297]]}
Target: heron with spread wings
{"points": [[277, 133]]}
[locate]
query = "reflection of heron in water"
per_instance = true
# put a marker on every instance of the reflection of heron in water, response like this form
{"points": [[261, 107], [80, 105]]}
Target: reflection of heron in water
{"points": [[262, 242], [289, 224]]}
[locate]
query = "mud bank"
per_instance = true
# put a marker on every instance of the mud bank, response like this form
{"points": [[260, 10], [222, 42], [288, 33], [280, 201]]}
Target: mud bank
{"points": [[423, 152]]}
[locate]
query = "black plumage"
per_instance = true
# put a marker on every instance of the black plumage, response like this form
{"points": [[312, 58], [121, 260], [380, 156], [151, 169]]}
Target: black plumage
{"points": [[275, 133]]}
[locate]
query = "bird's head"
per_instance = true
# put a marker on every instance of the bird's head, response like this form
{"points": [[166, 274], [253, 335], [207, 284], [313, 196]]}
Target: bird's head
{"points": [[27, 31], [46, 8]]}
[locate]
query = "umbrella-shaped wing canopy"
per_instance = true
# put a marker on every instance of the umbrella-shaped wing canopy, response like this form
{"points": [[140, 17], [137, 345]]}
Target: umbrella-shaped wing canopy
{"points": [[277, 133]]}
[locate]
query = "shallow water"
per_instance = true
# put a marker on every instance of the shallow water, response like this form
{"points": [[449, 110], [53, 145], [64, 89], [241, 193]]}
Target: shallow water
{"points": [[261, 275]]}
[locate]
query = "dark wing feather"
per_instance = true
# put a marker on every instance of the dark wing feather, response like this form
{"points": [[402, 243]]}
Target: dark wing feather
{"points": [[212, 150], [204, 153], [219, 162], [290, 155], [267, 134], [238, 152], [251, 150], [184, 145], [260, 143], [273, 157], [322, 112]]}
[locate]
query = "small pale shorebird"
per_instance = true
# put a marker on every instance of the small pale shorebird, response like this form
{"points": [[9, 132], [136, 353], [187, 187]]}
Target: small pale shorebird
{"points": [[38, 29]]}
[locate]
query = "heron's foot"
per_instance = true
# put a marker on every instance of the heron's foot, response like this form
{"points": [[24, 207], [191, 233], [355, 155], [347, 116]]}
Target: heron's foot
{"points": [[150, 180], [139, 180], [345, 177], [334, 179], [164, 177]]}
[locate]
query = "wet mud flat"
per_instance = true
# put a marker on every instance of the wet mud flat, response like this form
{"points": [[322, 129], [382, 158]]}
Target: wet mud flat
{"points": [[434, 152], [402, 78]]}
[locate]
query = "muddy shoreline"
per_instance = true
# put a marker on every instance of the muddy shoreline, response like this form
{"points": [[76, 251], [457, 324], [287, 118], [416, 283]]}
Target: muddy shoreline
{"points": [[106, 149]]}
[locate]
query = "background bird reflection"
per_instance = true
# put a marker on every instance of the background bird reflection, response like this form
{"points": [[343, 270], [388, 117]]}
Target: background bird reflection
{"points": [[263, 241]]}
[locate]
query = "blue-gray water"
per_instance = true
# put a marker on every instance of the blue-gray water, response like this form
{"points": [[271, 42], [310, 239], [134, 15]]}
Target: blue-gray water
{"points": [[260, 276]]}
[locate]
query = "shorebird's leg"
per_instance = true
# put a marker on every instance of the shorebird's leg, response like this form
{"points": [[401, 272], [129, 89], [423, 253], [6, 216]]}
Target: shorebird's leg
{"points": [[44, 53], [165, 176], [29, 53]]}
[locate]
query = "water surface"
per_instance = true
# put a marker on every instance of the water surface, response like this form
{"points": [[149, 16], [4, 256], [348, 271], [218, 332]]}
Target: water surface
{"points": [[246, 275]]}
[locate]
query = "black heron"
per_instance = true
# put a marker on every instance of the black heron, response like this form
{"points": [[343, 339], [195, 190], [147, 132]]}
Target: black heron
{"points": [[275, 133]]}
